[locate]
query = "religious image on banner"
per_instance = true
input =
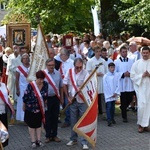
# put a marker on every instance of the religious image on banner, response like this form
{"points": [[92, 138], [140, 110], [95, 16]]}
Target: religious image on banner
{"points": [[40, 55], [87, 124]]}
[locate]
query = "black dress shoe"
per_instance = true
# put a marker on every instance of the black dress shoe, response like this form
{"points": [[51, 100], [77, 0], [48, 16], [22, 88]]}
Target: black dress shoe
{"points": [[125, 120], [65, 125], [59, 121], [109, 123], [113, 121]]}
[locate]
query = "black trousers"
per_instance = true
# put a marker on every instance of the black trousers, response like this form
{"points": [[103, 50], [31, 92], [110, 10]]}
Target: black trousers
{"points": [[125, 98], [51, 116], [101, 104]]}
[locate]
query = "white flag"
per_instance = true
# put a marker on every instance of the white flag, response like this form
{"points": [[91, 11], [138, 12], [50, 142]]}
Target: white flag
{"points": [[40, 55], [96, 21]]}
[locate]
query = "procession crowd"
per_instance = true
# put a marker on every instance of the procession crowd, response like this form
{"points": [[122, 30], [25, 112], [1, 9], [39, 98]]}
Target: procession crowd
{"points": [[124, 74]]}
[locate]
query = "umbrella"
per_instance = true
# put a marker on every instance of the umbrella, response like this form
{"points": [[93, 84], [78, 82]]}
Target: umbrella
{"points": [[140, 40]]}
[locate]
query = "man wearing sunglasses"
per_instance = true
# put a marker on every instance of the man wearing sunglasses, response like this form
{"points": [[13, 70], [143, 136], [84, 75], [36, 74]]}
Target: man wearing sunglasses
{"points": [[73, 80]]}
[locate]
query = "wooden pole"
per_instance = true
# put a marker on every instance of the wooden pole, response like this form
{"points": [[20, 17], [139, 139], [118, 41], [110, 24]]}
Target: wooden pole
{"points": [[1, 146], [73, 99]]}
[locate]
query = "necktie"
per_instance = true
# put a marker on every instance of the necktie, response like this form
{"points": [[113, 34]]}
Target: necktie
{"points": [[124, 60]]}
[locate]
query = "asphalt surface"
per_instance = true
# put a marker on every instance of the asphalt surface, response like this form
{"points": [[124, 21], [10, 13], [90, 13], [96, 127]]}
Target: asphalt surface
{"points": [[121, 136]]}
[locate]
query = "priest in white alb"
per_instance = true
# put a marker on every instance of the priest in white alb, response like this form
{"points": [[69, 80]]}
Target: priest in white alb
{"points": [[140, 74]]}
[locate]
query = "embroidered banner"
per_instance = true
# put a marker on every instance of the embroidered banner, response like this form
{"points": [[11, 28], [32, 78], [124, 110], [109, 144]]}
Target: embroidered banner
{"points": [[40, 55]]}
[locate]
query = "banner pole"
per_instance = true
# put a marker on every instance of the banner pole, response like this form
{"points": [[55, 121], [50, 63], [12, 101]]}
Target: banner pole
{"points": [[97, 66], [73, 99]]}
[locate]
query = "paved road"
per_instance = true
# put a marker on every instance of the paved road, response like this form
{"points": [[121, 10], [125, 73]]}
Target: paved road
{"points": [[122, 136]]}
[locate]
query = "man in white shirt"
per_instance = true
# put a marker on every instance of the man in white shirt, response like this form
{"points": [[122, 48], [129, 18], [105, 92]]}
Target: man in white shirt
{"points": [[134, 53], [73, 80], [66, 64], [90, 66], [123, 65]]}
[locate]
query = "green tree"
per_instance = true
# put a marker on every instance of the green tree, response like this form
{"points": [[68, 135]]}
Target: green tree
{"points": [[137, 15], [56, 16]]}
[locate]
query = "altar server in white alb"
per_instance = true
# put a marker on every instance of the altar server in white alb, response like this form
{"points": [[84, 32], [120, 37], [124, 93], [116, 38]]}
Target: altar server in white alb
{"points": [[140, 74], [111, 91], [90, 66], [123, 65]]}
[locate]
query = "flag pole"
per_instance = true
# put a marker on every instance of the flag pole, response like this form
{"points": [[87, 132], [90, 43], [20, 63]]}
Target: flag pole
{"points": [[73, 99], [97, 66]]}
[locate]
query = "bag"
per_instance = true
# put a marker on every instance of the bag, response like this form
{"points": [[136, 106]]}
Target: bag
{"points": [[3, 133]]}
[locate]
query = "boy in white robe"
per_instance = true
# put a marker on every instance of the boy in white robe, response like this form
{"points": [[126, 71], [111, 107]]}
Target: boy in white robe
{"points": [[111, 92]]}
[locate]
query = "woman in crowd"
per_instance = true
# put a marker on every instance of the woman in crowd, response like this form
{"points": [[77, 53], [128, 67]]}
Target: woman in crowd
{"points": [[34, 97], [4, 101], [21, 84]]}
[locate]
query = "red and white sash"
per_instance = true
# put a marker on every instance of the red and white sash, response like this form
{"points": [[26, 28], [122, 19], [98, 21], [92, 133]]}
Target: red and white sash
{"points": [[61, 71], [52, 83], [40, 99], [22, 71], [5, 98], [73, 81]]}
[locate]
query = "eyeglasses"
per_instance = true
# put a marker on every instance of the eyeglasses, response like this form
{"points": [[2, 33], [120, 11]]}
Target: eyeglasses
{"points": [[25, 58], [62, 55], [78, 67], [50, 65]]}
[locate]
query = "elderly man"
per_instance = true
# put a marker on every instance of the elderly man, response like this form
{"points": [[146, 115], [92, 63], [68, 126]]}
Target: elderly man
{"points": [[55, 96], [134, 53], [51, 55], [140, 75], [66, 64], [74, 78]]}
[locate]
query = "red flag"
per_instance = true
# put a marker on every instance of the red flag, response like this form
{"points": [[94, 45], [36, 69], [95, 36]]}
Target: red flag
{"points": [[87, 124]]}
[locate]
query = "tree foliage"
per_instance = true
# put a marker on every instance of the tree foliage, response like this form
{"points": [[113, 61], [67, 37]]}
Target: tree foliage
{"points": [[56, 16], [137, 13], [59, 16]]}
